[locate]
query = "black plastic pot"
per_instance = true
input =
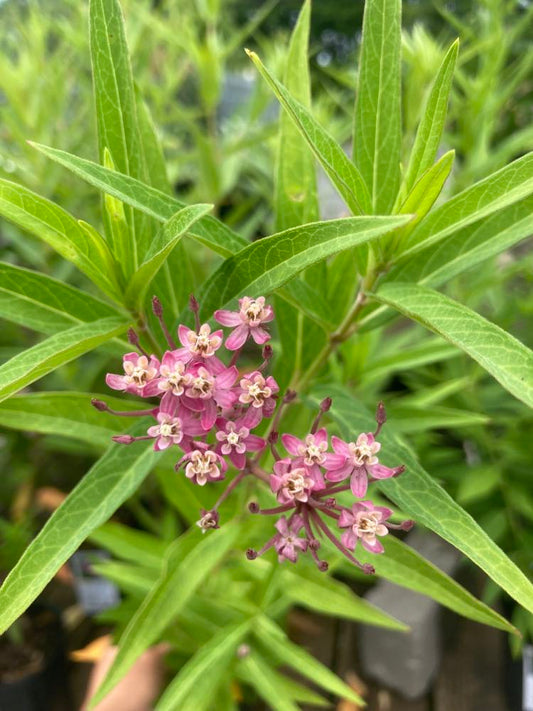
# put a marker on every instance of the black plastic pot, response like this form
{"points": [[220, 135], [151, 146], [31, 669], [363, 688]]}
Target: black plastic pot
{"points": [[38, 689]]}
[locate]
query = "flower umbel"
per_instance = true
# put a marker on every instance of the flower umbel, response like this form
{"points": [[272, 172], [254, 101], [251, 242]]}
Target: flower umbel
{"points": [[201, 410]]}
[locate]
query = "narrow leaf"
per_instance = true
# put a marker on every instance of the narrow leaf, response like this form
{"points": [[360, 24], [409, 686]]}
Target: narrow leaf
{"points": [[418, 494], [429, 133], [295, 200], [259, 674], [377, 128], [192, 689], [269, 263], [61, 348], [209, 231], [116, 105], [341, 171], [67, 415], [167, 599], [164, 242], [98, 495], [277, 642], [44, 304], [502, 355], [50, 223], [331, 597], [503, 188]]}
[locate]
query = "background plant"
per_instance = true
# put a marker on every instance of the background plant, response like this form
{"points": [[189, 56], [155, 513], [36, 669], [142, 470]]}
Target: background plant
{"points": [[330, 330]]}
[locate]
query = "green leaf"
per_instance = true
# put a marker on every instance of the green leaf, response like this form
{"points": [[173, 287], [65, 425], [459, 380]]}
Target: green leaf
{"points": [[426, 190], [502, 355], [98, 495], [209, 231], [295, 199], [175, 282], [44, 304], [132, 579], [408, 418], [429, 133], [402, 565], [296, 691], [116, 105], [432, 351], [468, 247], [164, 242], [33, 363], [66, 414], [270, 262], [419, 495], [168, 598], [477, 483], [129, 544], [50, 223], [377, 120], [331, 597], [340, 169], [258, 672], [276, 641], [503, 188], [193, 688]]}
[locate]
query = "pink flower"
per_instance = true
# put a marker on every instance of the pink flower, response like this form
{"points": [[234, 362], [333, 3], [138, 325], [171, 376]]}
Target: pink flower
{"points": [[200, 346], [208, 520], [203, 465], [234, 441], [287, 542], [290, 485], [311, 453], [365, 521], [248, 321], [172, 376], [205, 391], [139, 372], [360, 463], [257, 392]]}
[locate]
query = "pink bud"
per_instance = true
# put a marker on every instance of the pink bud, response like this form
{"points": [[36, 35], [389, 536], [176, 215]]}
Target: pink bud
{"points": [[99, 405], [123, 439], [251, 554], [157, 307]]}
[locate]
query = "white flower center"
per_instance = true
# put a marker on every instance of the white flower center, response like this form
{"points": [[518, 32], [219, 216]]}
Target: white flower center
{"points": [[233, 438]]}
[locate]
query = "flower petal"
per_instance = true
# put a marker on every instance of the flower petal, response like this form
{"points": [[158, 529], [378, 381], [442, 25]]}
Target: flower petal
{"points": [[227, 318], [237, 338], [359, 482]]}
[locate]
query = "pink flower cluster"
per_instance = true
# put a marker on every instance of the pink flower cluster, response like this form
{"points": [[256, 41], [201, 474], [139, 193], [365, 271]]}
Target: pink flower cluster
{"points": [[208, 410]]}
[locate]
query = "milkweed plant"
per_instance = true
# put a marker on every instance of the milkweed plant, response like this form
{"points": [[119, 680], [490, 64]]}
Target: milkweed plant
{"points": [[229, 386]]}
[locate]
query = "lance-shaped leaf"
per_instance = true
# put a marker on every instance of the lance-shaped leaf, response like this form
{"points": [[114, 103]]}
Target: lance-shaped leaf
{"points": [[426, 190], [44, 304], [186, 571], [272, 637], [98, 495], [468, 247], [130, 544], [33, 363], [377, 127], [295, 200], [209, 231], [116, 108], [164, 242], [502, 355], [503, 188], [331, 597], [340, 169], [258, 672], [193, 688], [405, 567], [431, 125], [67, 415], [50, 223], [283, 684], [269, 263], [418, 495]]}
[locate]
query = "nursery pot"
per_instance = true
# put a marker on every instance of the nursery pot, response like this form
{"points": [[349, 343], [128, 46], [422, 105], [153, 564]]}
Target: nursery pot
{"points": [[32, 671]]}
